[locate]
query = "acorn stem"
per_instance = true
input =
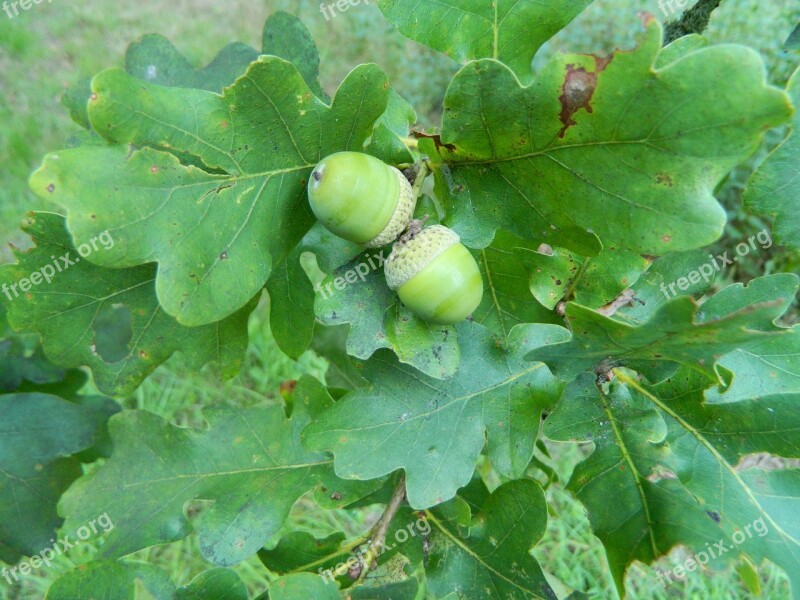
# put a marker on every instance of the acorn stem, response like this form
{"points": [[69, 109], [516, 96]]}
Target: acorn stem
{"points": [[423, 170]]}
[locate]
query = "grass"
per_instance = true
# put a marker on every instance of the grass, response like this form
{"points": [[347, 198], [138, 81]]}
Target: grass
{"points": [[48, 48]]}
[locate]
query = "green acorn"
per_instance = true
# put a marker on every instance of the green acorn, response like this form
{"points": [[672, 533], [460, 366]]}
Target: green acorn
{"points": [[435, 275], [360, 198]]}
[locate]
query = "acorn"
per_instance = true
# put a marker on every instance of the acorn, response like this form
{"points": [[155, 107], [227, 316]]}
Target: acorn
{"points": [[360, 198], [435, 275]]}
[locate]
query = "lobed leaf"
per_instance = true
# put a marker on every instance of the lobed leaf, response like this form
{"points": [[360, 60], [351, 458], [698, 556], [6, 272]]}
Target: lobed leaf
{"points": [[752, 507], [507, 30], [441, 426], [37, 464], [611, 146], [249, 464], [506, 267], [492, 555], [774, 189], [677, 332], [215, 236], [357, 294], [592, 281], [108, 319]]}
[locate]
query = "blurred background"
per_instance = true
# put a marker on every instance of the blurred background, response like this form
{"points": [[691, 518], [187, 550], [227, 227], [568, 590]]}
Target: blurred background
{"points": [[54, 44]]}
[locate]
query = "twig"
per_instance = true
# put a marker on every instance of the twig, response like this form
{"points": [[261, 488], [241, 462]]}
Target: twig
{"points": [[380, 529], [422, 174], [376, 537], [694, 20]]}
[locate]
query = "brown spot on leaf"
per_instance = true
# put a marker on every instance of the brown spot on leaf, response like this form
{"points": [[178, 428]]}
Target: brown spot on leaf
{"points": [[664, 179], [646, 18], [154, 169], [666, 238], [578, 89], [51, 188], [224, 124], [288, 387]]}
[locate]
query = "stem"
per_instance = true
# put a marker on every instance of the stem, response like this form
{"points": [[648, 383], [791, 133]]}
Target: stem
{"points": [[694, 20], [422, 175], [381, 528], [377, 535], [410, 142]]}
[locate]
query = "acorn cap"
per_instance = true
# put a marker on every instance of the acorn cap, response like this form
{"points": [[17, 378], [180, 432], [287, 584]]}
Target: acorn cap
{"points": [[403, 212], [409, 257]]}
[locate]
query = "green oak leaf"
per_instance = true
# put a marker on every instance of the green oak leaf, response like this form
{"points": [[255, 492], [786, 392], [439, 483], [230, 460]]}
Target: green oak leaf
{"points": [[17, 365], [331, 344], [395, 124], [287, 37], [303, 585], [112, 580], [300, 551], [774, 189], [127, 580], [219, 583], [611, 145], [793, 41], [291, 293], [291, 312], [506, 267], [215, 236], [510, 31], [679, 48], [68, 313], [635, 465], [678, 332], [37, 464], [652, 289], [441, 426], [155, 59], [769, 366], [754, 508], [590, 281], [356, 294], [406, 589], [492, 555], [249, 463]]}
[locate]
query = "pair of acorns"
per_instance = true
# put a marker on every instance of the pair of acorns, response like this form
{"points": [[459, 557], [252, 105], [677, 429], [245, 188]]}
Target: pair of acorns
{"points": [[363, 200]]}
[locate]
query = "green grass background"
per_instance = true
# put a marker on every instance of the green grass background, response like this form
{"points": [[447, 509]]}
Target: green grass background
{"points": [[53, 45]]}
